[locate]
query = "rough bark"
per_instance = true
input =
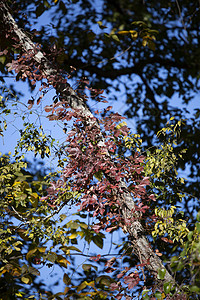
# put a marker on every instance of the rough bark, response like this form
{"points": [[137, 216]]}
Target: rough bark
{"points": [[136, 231]]}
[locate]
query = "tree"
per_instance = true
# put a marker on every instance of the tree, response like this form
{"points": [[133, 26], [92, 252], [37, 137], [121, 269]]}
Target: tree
{"points": [[103, 171]]}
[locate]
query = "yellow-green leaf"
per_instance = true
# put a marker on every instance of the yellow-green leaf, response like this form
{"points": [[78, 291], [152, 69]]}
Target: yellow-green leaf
{"points": [[30, 253], [66, 279], [73, 236], [26, 279], [115, 37], [82, 286], [123, 32], [42, 249], [98, 175], [62, 261]]}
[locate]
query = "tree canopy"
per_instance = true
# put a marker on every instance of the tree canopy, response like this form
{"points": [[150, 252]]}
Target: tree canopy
{"points": [[107, 180], [157, 80]]}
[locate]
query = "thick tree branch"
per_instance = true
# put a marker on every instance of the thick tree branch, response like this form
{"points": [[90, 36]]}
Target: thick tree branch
{"points": [[114, 73], [137, 68], [127, 205]]}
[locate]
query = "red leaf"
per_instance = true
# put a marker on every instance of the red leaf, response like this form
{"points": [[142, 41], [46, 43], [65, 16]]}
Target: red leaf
{"points": [[109, 229], [48, 108], [96, 228], [167, 240], [132, 280], [108, 108], [110, 262], [152, 197], [114, 286], [5, 52], [95, 258], [109, 270], [158, 253]]}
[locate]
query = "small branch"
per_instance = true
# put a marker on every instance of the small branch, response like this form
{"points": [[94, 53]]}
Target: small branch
{"points": [[182, 21], [25, 222], [150, 92], [108, 59], [18, 214], [55, 212]]}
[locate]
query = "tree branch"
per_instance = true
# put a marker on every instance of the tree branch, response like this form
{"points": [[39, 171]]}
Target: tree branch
{"points": [[133, 69]]}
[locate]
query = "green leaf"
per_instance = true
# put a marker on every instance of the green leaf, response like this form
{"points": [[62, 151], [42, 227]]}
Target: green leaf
{"points": [[73, 224], [39, 10], [194, 289], [198, 216], [98, 241], [198, 227], [161, 274], [2, 60], [151, 45], [138, 23], [101, 25], [66, 279], [62, 261], [31, 253], [167, 287], [82, 286], [87, 267], [83, 225], [190, 235], [62, 217], [24, 269], [105, 280], [98, 175], [115, 37], [34, 199], [158, 295], [33, 271], [46, 4], [91, 36], [52, 257], [145, 295], [67, 249], [134, 35]]}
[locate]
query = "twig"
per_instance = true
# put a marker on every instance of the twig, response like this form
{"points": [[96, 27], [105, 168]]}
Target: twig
{"points": [[107, 59], [140, 257], [182, 21], [25, 222], [20, 216]]}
